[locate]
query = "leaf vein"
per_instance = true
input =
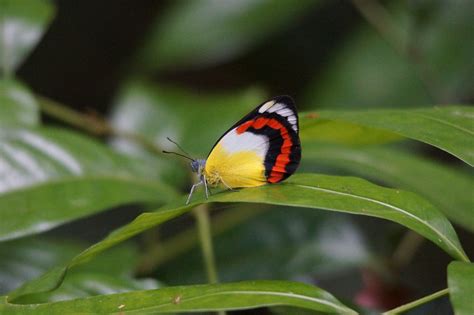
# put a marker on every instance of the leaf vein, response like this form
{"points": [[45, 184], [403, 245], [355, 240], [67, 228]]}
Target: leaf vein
{"points": [[445, 123], [394, 208]]}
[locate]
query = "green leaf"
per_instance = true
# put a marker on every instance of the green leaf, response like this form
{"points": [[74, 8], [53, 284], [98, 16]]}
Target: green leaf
{"points": [[56, 176], [314, 129], [86, 284], [277, 244], [444, 42], [345, 194], [461, 287], [288, 310], [17, 105], [93, 279], [195, 120], [28, 258], [438, 51], [22, 23], [204, 32], [354, 195], [211, 297], [25, 259], [449, 128], [449, 189]]}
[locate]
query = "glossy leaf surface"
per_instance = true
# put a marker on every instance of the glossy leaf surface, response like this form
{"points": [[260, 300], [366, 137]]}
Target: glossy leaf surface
{"points": [[448, 188], [315, 129], [449, 128], [230, 296], [343, 194], [27, 258], [52, 176]]}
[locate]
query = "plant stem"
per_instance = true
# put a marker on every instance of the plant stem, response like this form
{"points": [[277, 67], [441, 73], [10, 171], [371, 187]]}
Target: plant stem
{"points": [[205, 238], [406, 249], [423, 300], [187, 239], [61, 112], [91, 123]]}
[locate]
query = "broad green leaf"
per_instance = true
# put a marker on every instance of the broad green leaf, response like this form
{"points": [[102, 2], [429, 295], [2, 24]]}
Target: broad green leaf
{"points": [[354, 195], [315, 129], [210, 297], [17, 105], [195, 120], [449, 189], [205, 32], [85, 284], [28, 258], [344, 194], [277, 244], [22, 23], [449, 128], [288, 310], [51, 176], [25, 259], [461, 287]]}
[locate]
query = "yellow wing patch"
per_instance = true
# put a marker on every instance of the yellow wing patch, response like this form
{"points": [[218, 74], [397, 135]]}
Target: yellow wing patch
{"points": [[238, 169]]}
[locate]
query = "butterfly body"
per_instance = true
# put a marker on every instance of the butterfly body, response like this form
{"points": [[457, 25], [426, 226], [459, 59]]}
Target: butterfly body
{"points": [[263, 147]]}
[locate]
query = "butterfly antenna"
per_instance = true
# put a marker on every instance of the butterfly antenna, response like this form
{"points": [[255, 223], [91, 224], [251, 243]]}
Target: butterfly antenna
{"points": [[178, 154], [179, 147]]}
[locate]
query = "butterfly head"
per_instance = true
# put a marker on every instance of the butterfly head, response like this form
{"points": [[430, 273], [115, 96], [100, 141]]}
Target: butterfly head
{"points": [[197, 166]]}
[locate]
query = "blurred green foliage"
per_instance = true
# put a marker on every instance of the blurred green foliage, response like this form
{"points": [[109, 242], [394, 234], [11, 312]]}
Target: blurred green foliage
{"points": [[461, 285], [315, 243], [22, 25], [19, 106], [28, 258], [204, 32], [433, 66], [404, 57]]}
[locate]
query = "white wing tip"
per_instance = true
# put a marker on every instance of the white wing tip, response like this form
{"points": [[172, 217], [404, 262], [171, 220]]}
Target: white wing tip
{"points": [[266, 106]]}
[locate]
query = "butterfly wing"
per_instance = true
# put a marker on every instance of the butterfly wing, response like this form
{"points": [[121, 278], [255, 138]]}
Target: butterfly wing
{"points": [[263, 147]]}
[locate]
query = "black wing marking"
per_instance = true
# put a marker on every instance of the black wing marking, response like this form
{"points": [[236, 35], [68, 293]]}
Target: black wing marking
{"points": [[285, 100]]}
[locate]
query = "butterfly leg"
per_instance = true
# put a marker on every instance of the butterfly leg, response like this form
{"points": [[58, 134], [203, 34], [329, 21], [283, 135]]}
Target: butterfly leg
{"points": [[225, 184], [192, 190], [203, 180]]}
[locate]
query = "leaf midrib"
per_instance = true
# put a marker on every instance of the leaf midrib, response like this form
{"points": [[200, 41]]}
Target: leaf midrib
{"points": [[394, 208], [249, 292], [444, 123]]}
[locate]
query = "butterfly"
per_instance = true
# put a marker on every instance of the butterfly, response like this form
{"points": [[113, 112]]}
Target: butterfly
{"points": [[263, 147]]}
